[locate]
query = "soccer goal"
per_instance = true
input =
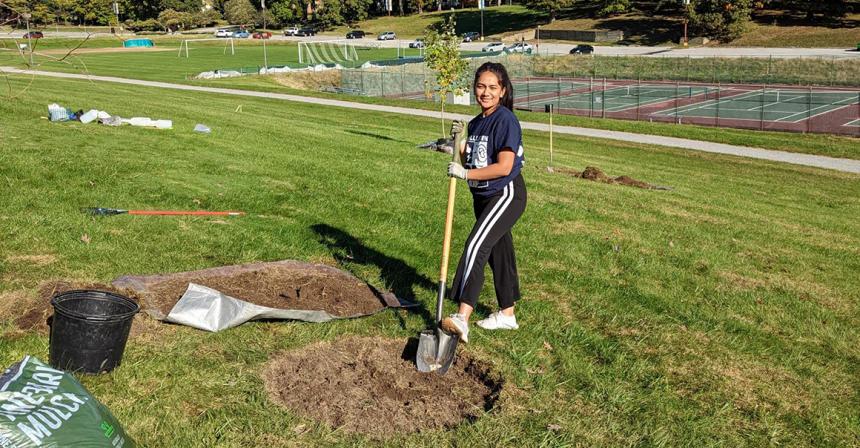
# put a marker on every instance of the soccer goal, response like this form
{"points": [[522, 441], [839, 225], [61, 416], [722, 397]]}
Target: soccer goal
{"points": [[328, 52], [228, 42]]}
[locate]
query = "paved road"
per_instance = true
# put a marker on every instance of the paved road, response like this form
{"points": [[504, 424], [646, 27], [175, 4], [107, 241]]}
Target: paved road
{"points": [[551, 48], [845, 165]]}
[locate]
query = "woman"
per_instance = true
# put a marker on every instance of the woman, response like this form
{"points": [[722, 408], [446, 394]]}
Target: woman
{"points": [[492, 160]]}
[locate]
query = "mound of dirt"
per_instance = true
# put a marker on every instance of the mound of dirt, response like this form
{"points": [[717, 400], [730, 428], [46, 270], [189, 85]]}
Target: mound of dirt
{"points": [[371, 386], [36, 311], [597, 175], [285, 285]]}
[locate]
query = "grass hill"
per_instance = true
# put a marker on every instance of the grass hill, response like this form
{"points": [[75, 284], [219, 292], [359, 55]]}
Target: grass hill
{"points": [[768, 28]]}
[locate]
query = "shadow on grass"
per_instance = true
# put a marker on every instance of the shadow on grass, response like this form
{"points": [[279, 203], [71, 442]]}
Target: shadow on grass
{"points": [[376, 136], [495, 21], [789, 19], [396, 273]]}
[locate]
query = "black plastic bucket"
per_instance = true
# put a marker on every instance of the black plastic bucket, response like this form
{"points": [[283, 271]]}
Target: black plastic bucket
{"points": [[89, 330]]}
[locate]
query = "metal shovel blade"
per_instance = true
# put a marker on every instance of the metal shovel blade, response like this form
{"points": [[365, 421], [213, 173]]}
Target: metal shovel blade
{"points": [[436, 351]]}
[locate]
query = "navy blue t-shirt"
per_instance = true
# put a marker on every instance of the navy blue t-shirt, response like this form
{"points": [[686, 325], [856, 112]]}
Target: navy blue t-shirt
{"points": [[488, 136]]}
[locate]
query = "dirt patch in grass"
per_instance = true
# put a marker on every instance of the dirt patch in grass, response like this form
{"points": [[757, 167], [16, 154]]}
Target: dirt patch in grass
{"points": [[597, 175], [29, 312], [283, 285], [35, 260], [371, 386], [63, 51], [309, 80]]}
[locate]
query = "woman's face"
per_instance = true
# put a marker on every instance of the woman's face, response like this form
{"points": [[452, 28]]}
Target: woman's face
{"points": [[488, 91]]}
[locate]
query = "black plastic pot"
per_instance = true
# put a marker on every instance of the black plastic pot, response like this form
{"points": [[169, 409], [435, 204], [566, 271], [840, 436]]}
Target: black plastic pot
{"points": [[89, 330]]}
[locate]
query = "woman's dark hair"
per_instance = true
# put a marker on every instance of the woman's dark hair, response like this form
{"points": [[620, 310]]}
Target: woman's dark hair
{"points": [[504, 80]]}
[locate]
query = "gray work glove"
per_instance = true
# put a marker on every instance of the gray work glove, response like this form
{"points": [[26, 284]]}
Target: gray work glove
{"points": [[457, 170], [457, 127]]}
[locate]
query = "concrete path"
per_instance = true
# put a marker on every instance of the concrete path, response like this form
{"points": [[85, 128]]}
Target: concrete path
{"points": [[845, 165]]}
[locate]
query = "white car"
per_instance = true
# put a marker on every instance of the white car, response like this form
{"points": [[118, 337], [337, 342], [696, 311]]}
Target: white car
{"points": [[291, 30], [519, 47], [223, 32], [388, 35], [493, 47], [417, 43]]}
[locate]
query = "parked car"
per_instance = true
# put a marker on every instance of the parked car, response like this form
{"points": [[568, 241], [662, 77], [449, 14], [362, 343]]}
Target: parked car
{"points": [[470, 36], [242, 34], [417, 43], [355, 34], [291, 30], [519, 47], [262, 35], [582, 49], [493, 47], [306, 31], [224, 32], [388, 35], [34, 35]]}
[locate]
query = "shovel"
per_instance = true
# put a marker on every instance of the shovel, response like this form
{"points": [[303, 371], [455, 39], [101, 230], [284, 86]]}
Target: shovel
{"points": [[101, 211], [436, 348]]}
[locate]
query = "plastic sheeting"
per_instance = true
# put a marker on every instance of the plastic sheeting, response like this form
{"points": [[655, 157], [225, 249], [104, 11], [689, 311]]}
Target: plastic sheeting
{"points": [[208, 309]]}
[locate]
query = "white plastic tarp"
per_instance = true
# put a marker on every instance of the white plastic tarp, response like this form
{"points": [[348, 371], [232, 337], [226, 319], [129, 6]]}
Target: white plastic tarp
{"points": [[208, 309]]}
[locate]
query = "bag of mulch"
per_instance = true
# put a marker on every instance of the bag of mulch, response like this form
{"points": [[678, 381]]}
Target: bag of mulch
{"points": [[44, 407]]}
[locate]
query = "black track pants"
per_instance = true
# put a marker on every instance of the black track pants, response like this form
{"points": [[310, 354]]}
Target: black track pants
{"points": [[491, 241]]}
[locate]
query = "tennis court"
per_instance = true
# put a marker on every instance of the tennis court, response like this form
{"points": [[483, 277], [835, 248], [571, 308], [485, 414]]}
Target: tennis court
{"points": [[775, 105], [609, 99], [748, 106]]}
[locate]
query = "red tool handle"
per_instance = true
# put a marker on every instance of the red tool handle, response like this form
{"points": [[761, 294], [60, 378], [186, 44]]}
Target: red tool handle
{"points": [[169, 212]]}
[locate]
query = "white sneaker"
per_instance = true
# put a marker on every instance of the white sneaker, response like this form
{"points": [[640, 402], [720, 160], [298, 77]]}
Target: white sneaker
{"points": [[456, 324], [499, 321]]}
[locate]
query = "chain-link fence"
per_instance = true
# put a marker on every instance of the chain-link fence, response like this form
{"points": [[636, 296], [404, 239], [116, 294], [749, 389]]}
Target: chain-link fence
{"points": [[804, 95]]}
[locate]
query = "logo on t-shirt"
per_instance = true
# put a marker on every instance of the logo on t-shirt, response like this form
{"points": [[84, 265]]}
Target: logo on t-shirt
{"points": [[481, 158]]}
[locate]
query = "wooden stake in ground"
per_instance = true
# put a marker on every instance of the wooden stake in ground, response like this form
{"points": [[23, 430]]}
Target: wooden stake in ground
{"points": [[549, 110]]}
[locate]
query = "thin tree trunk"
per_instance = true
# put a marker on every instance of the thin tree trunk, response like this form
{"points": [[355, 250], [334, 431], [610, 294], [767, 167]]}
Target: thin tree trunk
{"points": [[442, 115]]}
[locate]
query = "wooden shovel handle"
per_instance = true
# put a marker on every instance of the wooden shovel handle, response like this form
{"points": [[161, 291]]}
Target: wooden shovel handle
{"points": [[449, 217]]}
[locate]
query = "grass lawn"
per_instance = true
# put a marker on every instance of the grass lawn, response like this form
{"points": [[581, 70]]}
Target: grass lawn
{"points": [[821, 144], [167, 66], [722, 313], [776, 29]]}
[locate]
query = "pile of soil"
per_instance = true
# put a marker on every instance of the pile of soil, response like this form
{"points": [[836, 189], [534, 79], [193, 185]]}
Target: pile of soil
{"points": [[293, 286], [36, 312], [597, 175], [371, 386]]}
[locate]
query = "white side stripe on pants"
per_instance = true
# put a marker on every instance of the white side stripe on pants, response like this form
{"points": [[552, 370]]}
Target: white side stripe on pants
{"points": [[484, 229]]}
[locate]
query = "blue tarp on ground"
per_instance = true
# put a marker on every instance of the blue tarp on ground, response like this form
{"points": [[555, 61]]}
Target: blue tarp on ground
{"points": [[138, 43]]}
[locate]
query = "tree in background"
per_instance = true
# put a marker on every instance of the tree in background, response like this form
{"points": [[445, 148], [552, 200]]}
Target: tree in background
{"points": [[63, 10], [613, 7], [287, 12], [265, 18], [827, 9], [172, 20], [355, 10], [190, 6], [96, 12], [719, 19], [239, 12], [330, 13], [417, 5], [442, 55], [207, 17], [551, 7]]}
